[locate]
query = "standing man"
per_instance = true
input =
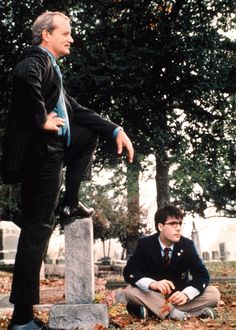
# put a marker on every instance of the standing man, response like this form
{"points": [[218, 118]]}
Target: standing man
{"points": [[159, 272], [46, 127]]}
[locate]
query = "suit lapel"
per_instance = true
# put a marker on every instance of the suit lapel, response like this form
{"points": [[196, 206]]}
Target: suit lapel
{"points": [[177, 255], [155, 251]]}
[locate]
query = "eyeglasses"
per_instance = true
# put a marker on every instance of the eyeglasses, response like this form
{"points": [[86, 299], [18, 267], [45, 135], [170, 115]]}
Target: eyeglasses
{"points": [[174, 224]]}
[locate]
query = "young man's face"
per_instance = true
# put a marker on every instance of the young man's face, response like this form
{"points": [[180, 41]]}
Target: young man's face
{"points": [[170, 231], [58, 41]]}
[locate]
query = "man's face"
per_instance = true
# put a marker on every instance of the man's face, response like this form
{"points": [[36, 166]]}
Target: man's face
{"points": [[170, 231], [58, 41]]}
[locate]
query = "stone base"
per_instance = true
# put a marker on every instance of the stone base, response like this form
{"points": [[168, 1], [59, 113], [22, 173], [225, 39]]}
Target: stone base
{"points": [[78, 316]]}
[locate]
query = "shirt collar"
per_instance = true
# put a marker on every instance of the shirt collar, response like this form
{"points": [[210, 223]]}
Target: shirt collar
{"points": [[163, 246], [52, 57]]}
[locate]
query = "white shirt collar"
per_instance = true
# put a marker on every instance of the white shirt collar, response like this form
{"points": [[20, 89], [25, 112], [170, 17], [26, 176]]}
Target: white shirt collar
{"points": [[163, 246]]}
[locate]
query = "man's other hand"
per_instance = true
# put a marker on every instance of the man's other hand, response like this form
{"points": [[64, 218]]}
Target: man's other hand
{"points": [[122, 140], [53, 122]]}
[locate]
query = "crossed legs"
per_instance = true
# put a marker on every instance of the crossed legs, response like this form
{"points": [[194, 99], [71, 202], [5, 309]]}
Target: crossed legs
{"points": [[156, 302]]}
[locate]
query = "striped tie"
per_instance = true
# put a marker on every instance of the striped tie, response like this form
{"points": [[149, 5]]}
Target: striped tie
{"points": [[166, 257]]}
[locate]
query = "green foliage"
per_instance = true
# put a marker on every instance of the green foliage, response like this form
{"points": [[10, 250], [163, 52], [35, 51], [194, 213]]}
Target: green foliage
{"points": [[161, 69], [210, 164], [16, 19]]}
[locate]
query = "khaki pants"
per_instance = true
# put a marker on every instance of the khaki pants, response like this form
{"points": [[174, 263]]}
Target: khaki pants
{"points": [[159, 306]]}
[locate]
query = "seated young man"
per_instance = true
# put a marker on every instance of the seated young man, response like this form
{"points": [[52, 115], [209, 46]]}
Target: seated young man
{"points": [[165, 275]]}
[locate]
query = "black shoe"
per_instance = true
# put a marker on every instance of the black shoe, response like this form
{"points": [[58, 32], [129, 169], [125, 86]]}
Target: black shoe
{"points": [[69, 214], [140, 312], [204, 313]]}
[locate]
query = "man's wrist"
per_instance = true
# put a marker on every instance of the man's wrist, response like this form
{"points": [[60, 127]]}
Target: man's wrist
{"points": [[116, 131]]}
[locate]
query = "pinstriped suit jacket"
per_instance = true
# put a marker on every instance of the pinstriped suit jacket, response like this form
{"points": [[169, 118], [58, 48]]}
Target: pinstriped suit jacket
{"points": [[36, 88]]}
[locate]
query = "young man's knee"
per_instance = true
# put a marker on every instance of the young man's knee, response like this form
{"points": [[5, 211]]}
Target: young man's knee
{"points": [[214, 295]]}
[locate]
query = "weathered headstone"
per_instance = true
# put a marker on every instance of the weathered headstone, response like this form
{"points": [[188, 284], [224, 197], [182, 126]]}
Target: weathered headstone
{"points": [[223, 253], [215, 255], [9, 234], [79, 310], [205, 255]]}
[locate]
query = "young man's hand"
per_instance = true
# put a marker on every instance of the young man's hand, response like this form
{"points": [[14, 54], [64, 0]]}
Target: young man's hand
{"points": [[164, 286], [178, 298]]}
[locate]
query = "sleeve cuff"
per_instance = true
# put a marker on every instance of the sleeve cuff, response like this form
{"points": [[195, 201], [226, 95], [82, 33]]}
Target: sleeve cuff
{"points": [[191, 292], [143, 283], [116, 131]]}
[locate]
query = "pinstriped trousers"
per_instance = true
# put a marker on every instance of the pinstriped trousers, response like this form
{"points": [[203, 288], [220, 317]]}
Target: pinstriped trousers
{"points": [[40, 190], [156, 301], [78, 162]]}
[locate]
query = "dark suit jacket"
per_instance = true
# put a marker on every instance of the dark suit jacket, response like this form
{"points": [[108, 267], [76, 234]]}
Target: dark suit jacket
{"points": [[36, 88], [147, 262]]}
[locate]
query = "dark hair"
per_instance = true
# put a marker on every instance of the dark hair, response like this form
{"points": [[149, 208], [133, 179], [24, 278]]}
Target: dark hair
{"points": [[167, 211]]}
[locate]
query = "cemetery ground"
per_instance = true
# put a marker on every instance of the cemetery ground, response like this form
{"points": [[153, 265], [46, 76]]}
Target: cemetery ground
{"points": [[52, 292]]}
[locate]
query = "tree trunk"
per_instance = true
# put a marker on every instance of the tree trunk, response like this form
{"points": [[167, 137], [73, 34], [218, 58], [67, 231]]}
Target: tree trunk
{"points": [[104, 250], [109, 248], [162, 181], [133, 192], [133, 207]]}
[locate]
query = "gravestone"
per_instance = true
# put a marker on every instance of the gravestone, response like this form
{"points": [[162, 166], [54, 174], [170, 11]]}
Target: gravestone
{"points": [[223, 253], [9, 234], [215, 255], [79, 310]]}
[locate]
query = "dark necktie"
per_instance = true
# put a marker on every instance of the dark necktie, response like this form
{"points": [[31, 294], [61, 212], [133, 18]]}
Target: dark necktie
{"points": [[166, 257]]}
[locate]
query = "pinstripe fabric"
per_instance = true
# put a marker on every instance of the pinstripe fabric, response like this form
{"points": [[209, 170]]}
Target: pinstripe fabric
{"points": [[40, 193], [35, 158], [28, 110], [78, 161]]}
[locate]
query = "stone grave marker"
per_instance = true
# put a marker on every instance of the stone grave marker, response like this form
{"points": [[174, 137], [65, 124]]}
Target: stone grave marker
{"points": [[79, 311], [9, 234]]}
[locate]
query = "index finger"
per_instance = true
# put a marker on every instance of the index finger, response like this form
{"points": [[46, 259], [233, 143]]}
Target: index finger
{"points": [[171, 284], [130, 154]]}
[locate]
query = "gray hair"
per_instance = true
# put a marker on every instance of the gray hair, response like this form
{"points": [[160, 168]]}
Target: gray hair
{"points": [[44, 22]]}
